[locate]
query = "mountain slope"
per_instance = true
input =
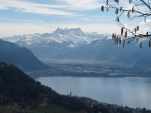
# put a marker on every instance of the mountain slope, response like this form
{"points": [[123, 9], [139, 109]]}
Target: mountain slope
{"points": [[20, 56], [21, 94], [16, 86]]}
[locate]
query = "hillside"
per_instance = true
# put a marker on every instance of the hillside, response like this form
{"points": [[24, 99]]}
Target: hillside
{"points": [[21, 94], [20, 56]]}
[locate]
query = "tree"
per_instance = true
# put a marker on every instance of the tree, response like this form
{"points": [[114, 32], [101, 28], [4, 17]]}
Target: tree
{"points": [[132, 11]]}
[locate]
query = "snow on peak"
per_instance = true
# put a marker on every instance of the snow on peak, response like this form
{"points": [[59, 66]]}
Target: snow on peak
{"points": [[72, 37], [76, 31]]}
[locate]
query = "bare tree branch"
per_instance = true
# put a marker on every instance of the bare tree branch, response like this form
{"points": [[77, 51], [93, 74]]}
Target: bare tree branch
{"points": [[146, 4], [137, 11]]}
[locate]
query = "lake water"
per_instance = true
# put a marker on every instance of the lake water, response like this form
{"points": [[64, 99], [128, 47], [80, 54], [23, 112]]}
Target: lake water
{"points": [[133, 92]]}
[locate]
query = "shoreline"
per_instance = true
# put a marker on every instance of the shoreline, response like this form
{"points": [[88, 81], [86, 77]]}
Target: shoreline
{"points": [[85, 76]]}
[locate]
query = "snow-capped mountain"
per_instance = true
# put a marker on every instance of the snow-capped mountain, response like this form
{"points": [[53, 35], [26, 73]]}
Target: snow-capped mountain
{"points": [[74, 45], [70, 37]]}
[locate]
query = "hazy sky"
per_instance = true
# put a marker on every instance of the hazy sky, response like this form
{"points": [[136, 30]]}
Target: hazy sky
{"points": [[30, 16]]}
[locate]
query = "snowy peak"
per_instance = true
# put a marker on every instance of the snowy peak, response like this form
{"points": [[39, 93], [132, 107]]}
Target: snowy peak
{"points": [[76, 31], [70, 37], [75, 36]]}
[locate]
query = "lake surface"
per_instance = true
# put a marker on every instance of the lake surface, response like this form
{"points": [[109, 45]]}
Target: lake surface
{"points": [[133, 92]]}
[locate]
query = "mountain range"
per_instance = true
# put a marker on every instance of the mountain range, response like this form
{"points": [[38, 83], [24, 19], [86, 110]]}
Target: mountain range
{"points": [[74, 45], [69, 37]]}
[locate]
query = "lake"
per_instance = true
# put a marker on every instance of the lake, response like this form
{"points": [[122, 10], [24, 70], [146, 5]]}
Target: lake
{"points": [[133, 92]]}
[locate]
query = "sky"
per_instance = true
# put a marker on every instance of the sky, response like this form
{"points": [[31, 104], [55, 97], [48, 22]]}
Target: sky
{"points": [[39, 16]]}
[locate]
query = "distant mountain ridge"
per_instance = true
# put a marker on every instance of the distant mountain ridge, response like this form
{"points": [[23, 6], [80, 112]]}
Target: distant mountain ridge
{"points": [[20, 56], [69, 37], [76, 45]]}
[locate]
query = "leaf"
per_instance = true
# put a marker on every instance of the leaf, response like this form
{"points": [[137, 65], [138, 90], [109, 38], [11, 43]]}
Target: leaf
{"points": [[133, 9], [137, 28], [117, 19], [128, 14], [147, 34], [125, 34], [102, 8], [121, 8], [113, 36], [122, 30], [140, 45], [116, 11]]}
